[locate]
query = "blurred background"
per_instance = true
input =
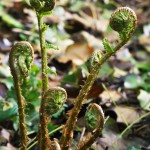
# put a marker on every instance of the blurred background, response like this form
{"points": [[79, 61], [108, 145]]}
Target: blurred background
{"points": [[77, 28]]}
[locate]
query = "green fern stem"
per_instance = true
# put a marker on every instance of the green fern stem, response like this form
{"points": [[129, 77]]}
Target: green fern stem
{"points": [[90, 139], [22, 116], [43, 130], [20, 60], [124, 21], [67, 134], [42, 28]]}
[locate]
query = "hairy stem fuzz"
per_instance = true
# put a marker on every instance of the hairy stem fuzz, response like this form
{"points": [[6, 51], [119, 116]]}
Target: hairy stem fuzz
{"points": [[70, 124], [43, 120], [19, 69]]}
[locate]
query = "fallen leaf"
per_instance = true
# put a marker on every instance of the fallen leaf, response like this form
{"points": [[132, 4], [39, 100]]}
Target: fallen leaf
{"points": [[111, 94], [5, 134], [77, 52], [127, 114], [144, 99]]}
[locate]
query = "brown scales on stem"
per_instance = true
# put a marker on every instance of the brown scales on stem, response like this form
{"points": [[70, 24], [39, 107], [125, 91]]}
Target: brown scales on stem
{"points": [[21, 67], [128, 17]]}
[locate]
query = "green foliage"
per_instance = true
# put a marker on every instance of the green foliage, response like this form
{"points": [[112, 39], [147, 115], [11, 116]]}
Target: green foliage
{"points": [[20, 61], [54, 99], [36, 4], [133, 82], [106, 71], [124, 21], [21, 58], [43, 7], [94, 115], [8, 109], [31, 86], [30, 91], [48, 45], [10, 20], [94, 59], [107, 46]]}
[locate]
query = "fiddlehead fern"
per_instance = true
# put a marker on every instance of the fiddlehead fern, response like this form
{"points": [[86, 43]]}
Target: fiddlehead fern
{"points": [[36, 4], [54, 99], [94, 116], [124, 21], [43, 7], [94, 122], [20, 60], [125, 31], [94, 58]]}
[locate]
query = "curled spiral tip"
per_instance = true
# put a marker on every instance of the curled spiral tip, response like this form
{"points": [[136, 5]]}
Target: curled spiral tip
{"points": [[21, 58], [94, 59], [49, 5], [54, 99], [36, 4], [43, 6], [124, 21], [94, 116]]}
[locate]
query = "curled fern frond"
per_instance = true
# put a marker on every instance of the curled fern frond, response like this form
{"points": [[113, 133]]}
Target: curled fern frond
{"points": [[43, 6], [94, 59], [48, 5], [94, 122], [21, 58], [54, 99], [36, 4], [124, 21], [93, 117]]}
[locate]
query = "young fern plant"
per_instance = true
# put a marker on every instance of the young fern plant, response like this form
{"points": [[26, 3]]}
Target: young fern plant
{"points": [[20, 61], [124, 21], [43, 8], [94, 122], [53, 99]]}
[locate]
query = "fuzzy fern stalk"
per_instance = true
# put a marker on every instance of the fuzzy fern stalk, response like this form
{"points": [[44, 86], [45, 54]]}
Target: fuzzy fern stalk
{"points": [[20, 60], [42, 8], [94, 122], [43, 131], [53, 100], [124, 21]]}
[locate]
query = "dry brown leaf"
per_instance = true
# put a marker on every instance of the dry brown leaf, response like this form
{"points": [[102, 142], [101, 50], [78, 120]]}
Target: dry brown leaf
{"points": [[127, 114], [94, 42], [111, 95], [77, 52]]}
